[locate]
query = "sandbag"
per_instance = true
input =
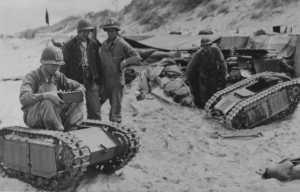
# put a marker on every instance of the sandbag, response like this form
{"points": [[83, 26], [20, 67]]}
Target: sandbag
{"points": [[205, 32], [145, 53], [175, 33], [234, 75], [259, 32], [135, 60], [155, 72], [188, 101], [159, 55], [162, 81], [164, 62], [182, 61], [172, 86], [173, 71], [182, 92], [270, 76]]}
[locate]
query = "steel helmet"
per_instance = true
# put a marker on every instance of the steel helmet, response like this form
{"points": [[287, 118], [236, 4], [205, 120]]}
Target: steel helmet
{"points": [[205, 41], [84, 24], [111, 23], [52, 55]]}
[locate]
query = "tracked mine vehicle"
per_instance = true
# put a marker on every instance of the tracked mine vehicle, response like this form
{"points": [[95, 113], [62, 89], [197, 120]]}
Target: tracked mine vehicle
{"points": [[261, 99], [54, 160]]}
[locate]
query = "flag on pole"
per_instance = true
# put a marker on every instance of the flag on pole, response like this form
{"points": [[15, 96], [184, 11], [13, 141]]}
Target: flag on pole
{"points": [[113, 2], [47, 17]]}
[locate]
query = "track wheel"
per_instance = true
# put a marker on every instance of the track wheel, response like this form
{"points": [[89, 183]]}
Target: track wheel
{"points": [[294, 91], [13, 173], [68, 158], [237, 122], [39, 182], [26, 176], [54, 184], [19, 174], [123, 147]]}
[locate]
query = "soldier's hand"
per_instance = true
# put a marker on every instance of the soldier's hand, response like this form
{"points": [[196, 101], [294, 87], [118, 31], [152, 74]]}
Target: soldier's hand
{"points": [[226, 75], [121, 66], [53, 97], [81, 88]]}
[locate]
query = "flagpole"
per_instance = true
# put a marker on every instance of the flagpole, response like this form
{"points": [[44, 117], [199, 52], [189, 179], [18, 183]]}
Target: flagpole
{"points": [[116, 8], [47, 17]]}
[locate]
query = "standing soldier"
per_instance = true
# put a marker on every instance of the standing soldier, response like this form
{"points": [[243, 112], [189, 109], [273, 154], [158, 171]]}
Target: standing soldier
{"points": [[115, 54], [81, 55], [206, 63]]}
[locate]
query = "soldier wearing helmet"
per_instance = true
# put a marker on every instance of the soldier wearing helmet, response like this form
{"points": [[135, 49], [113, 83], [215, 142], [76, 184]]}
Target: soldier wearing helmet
{"points": [[82, 63], [206, 65], [115, 54], [38, 95]]}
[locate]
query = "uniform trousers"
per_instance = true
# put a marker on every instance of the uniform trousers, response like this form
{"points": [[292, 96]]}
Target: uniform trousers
{"points": [[48, 115]]}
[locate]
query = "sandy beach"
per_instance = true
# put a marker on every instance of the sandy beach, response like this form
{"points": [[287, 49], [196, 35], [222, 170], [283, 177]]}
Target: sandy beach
{"points": [[176, 151]]}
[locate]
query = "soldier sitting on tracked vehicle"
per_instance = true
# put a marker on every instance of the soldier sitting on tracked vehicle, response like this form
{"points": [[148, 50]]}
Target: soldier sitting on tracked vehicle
{"points": [[38, 95]]}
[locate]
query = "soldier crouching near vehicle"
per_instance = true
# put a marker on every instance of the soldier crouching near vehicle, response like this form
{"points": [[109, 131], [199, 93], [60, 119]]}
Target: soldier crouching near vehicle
{"points": [[38, 95], [205, 64]]}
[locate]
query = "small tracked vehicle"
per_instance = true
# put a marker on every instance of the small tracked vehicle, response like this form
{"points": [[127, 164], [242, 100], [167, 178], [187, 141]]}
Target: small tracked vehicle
{"points": [[261, 99], [54, 160]]}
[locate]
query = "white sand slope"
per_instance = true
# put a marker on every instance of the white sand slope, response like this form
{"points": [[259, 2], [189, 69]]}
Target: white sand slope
{"points": [[221, 16]]}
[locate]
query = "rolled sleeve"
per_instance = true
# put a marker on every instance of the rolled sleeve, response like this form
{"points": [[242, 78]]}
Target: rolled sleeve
{"points": [[130, 51]]}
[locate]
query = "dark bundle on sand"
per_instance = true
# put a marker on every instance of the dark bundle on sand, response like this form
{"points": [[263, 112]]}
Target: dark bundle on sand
{"points": [[286, 170]]}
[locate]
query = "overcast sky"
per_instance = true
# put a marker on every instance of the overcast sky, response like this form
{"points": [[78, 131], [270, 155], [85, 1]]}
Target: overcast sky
{"points": [[18, 15]]}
